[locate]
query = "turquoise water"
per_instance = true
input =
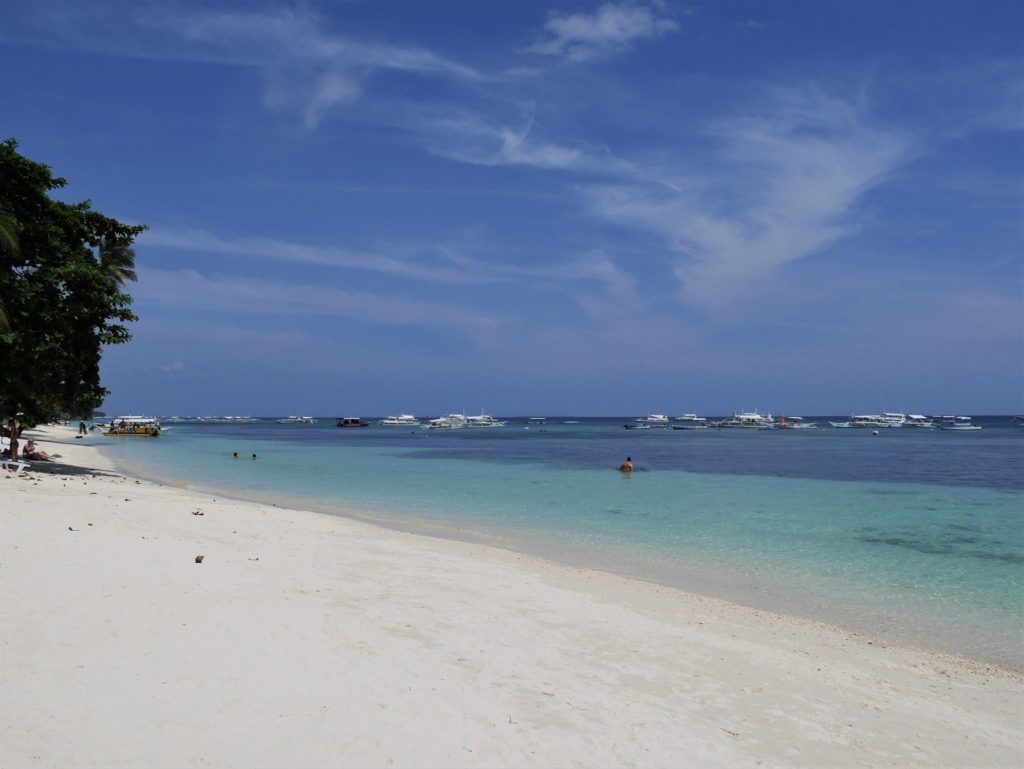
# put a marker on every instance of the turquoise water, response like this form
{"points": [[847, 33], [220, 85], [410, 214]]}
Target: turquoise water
{"points": [[851, 529]]}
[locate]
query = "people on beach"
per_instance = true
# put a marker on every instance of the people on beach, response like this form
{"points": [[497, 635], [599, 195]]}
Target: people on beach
{"points": [[627, 466], [34, 452], [81, 428]]}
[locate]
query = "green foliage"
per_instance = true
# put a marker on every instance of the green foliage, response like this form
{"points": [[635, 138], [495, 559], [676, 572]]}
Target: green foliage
{"points": [[62, 272]]}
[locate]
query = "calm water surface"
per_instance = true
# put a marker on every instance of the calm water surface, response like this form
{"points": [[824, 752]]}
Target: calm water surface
{"points": [[913, 535]]}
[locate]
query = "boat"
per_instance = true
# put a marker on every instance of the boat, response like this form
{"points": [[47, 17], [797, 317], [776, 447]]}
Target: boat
{"points": [[653, 420], [795, 423], [137, 426], [297, 421], [447, 422], [400, 420], [885, 419], [637, 427], [351, 422], [957, 423], [746, 419], [483, 420], [918, 420], [690, 422]]}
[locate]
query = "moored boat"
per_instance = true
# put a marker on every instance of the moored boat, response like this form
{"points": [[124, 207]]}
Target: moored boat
{"points": [[351, 422], [919, 420], [400, 420], [689, 422], [447, 422], [483, 420], [137, 426], [795, 423], [957, 423], [746, 419], [652, 420]]}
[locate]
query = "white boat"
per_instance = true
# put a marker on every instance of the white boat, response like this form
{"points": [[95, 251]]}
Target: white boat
{"points": [[653, 420], [483, 420], [400, 420], [885, 419], [919, 420], [690, 422], [957, 423], [746, 419], [447, 422], [795, 423], [297, 421]]}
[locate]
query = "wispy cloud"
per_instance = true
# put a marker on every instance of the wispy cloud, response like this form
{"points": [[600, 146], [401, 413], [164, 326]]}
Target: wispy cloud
{"points": [[782, 186], [308, 69], [450, 267], [201, 241], [611, 29], [470, 137], [192, 291]]}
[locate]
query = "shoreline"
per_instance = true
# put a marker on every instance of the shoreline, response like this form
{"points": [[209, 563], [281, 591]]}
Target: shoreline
{"points": [[313, 639]]}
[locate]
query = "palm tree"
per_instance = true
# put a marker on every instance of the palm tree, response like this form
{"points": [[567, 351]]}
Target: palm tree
{"points": [[117, 260]]}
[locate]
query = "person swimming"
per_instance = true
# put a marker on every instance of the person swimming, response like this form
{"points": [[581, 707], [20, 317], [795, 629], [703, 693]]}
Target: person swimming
{"points": [[627, 466]]}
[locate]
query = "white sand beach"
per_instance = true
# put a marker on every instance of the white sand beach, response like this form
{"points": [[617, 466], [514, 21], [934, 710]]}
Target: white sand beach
{"points": [[310, 640]]}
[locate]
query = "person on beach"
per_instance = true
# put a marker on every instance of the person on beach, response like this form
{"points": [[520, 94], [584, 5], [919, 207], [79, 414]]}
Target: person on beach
{"points": [[33, 452], [234, 455], [81, 428], [254, 456], [627, 466]]}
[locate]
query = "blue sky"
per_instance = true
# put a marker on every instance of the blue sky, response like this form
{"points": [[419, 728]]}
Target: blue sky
{"points": [[534, 207]]}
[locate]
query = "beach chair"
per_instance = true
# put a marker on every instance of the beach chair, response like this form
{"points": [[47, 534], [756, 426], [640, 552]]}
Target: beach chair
{"points": [[7, 464]]}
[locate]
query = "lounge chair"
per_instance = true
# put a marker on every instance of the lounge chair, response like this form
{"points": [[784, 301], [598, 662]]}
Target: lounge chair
{"points": [[7, 464]]}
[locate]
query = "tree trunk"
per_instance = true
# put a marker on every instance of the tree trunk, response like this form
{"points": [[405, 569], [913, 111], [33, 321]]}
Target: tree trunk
{"points": [[15, 432]]}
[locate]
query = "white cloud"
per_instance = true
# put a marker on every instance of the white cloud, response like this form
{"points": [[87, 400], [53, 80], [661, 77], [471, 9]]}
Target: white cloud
{"points": [[609, 30], [201, 241], [192, 291], [783, 187], [469, 138], [308, 70], [453, 267]]}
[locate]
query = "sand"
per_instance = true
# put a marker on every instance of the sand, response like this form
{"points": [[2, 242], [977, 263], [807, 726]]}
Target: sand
{"points": [[311, 640]]}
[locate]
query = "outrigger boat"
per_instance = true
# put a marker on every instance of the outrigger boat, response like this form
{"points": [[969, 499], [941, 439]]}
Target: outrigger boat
{"points": [[135, 426], [351, 422]]}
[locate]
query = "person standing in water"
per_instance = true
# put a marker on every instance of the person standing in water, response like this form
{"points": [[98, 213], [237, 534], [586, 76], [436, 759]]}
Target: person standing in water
{"points": [[627, 466]]}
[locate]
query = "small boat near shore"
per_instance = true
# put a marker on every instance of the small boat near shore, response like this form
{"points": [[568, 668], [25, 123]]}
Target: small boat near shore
{"points": [[135, 426]]}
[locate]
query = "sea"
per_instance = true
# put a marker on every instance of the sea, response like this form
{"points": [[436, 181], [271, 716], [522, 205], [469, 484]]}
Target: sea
{"points": [[910, 536]]}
